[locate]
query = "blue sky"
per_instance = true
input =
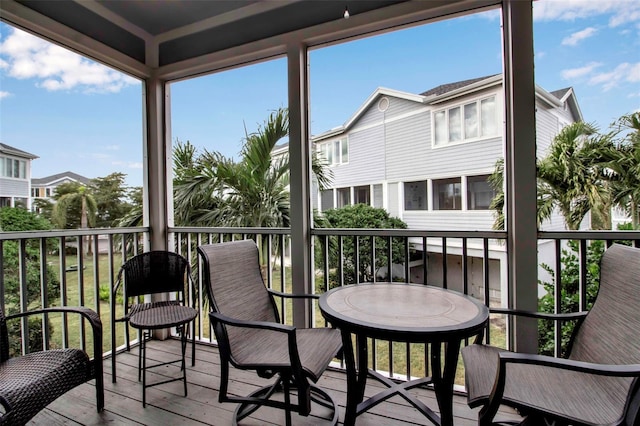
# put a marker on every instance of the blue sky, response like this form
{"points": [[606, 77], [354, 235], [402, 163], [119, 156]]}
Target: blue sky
{"points": [[80, 116]]}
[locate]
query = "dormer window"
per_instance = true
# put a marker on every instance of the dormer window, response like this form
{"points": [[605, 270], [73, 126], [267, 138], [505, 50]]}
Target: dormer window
{"points": [[467, 122], [335, 152]]}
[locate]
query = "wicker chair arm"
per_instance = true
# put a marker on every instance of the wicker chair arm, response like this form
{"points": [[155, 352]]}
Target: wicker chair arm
{"points": [[540, 315], [6, 406], [293, 296], [283, 328], [87, 313]]}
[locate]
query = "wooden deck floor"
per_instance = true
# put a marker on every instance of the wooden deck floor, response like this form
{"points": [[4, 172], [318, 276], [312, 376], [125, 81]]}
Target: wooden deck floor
{"points": [[166, 404]]}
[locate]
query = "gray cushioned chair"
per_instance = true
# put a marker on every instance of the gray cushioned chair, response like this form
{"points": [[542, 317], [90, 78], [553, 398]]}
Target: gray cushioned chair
{"points": [[30, 382], [250, 335], [596, 385]]}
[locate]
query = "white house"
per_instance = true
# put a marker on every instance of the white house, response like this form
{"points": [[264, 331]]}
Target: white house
{"points": [[43, 188], [15, 176], [426, 158]]}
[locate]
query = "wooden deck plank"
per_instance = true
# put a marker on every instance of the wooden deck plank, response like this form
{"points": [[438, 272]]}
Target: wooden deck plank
{"points": [[167, 405]]}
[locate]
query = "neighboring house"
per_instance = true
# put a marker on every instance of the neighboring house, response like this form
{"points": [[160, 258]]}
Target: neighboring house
{"points": [[425, 158], [15, 176], [44, 188]]}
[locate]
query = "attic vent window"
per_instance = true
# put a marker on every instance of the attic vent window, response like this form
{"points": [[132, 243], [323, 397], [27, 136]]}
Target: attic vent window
{"points": [[383, 104]]}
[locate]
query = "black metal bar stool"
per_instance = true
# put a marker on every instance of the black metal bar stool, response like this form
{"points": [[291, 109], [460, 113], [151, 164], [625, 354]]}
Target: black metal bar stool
{"points": [[157, 318]]}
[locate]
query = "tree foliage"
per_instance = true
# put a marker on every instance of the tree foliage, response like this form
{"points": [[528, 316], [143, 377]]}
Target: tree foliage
{"points": [[253, 191], [569, 292], [624, 166], [362, 216], [584, 171], [110, 194], [75, 206], [18, 219]]}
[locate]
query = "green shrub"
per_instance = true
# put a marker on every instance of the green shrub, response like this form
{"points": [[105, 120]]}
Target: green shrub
{"points": [[569, 296]]}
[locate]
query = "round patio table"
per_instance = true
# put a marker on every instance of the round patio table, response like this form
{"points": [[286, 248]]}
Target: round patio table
{"points": [[413, 313]]}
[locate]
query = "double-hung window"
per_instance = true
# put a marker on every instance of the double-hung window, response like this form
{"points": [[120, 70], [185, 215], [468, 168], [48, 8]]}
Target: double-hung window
{"points": [[415, 195], [447, 194], [467, 122], [479, 192], [13, 168], [335, 152]]}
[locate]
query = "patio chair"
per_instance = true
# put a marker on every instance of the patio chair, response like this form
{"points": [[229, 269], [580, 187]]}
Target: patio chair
{"points": [[596, 385], [153, 272], [250, 335], [30, 382]]}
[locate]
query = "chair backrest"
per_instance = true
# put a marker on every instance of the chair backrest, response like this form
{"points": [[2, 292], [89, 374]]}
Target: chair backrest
{"points": [[234, 283], [609, 333], [155, 272], [235, 288]]}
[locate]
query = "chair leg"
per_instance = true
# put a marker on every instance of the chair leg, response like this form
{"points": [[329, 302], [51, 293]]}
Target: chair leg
{"points": [[99, 390], [143, 353], [286, 388], [184, 329], [193, 344]]}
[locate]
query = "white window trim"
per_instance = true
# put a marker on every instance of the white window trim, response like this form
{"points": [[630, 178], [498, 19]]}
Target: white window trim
{"points": [[322, 147], [461, 105], [26, 168]]}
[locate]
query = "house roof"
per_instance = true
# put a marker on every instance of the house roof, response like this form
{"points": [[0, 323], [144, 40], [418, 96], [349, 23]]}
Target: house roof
{"points": [[445, 92], [53, 179], [9, 150], [449, 87]]}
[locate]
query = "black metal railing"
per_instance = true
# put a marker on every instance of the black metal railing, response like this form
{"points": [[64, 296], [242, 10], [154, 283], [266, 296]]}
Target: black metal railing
{"points": [[83, 265], [63, 268]]}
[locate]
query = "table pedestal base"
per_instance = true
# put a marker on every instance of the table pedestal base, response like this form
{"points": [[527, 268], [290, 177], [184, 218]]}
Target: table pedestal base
{"points": [[401, 389]]}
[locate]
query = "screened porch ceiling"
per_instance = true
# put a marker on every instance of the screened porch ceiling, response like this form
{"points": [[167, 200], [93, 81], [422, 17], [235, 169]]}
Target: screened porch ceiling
{"points": [[173, 39]]}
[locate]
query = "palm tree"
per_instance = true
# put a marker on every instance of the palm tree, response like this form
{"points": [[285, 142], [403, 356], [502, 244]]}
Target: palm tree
{"points": [[213, 190], [88, 209], [624, 167], [571, 175]]}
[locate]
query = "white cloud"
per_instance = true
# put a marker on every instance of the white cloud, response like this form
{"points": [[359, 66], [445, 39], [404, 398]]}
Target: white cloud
{"points": [[4, 94], [127, 164], [621, 11], [112, 147], [573, 73], [623, 73], [578, 36], [25, 56]]}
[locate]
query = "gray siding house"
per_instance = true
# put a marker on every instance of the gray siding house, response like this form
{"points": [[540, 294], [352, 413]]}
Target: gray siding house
{"points": [[426, 158], [43, 188], [15, 176]]}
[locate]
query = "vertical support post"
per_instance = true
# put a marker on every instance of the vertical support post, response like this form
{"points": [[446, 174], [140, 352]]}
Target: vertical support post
{"points": [[300, 182], [157, 159], [520, 167]]}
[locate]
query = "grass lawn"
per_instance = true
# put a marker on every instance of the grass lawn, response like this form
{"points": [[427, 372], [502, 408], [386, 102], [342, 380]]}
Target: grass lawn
{"points": [[87, 296]]}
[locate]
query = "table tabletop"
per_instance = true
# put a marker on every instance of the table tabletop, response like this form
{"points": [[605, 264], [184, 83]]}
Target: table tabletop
{"points": [[398, 310], [163, 317]]}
